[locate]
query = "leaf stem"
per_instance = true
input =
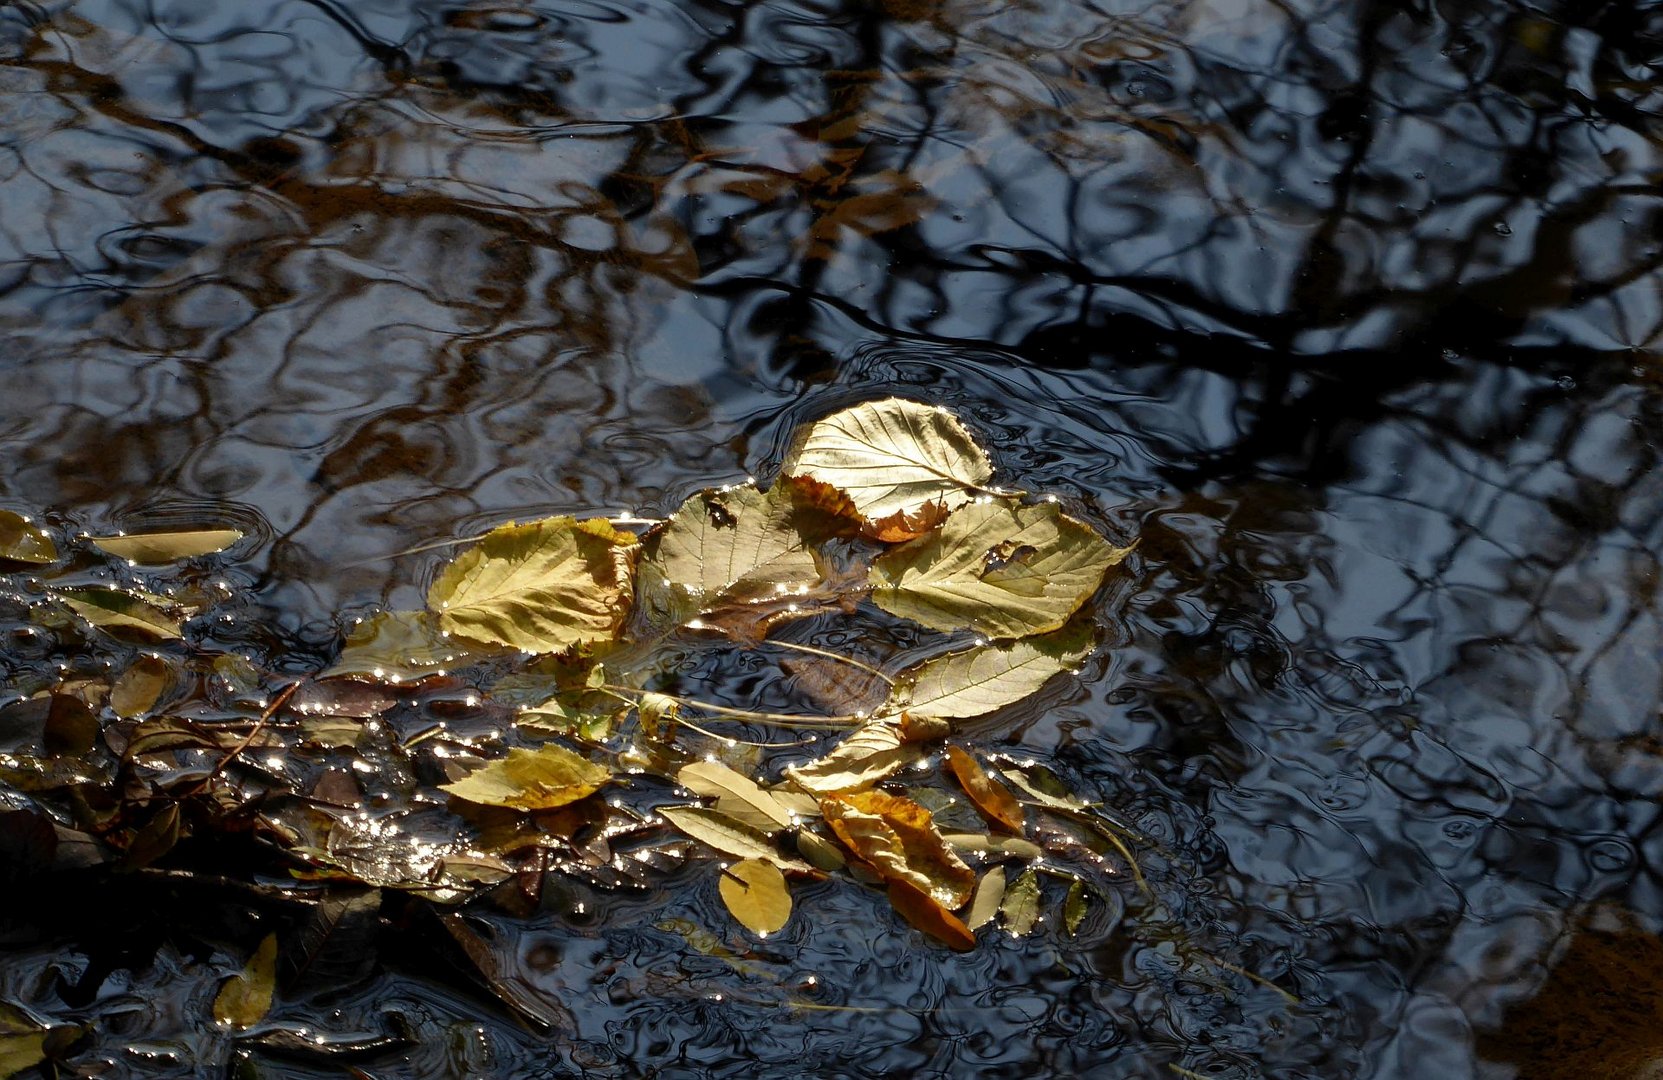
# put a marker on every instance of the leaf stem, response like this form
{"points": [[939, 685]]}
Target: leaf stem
{"points": [[829, 655], [777, 719]]}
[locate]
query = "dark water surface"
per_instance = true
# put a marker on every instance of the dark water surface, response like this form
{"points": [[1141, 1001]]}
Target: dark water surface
{"points": [[1350, 310]]}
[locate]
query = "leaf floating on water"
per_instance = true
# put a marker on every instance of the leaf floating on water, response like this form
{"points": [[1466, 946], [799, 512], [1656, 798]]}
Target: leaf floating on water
{"points": [[245, 998], [1000, 569], [1014, 846], [555, 717], [165, 547], [893, 456], [1074, 907], [1043, 787], [905, 525], [1021, 904], [539, 779], [872, 752], [397, 645], [819, 851], [140, 686], [728, 836], [992, 798], [22, 541], [22, 1041], [539, 587], [921, 910], [756, 894], [736, 795], [990, 893], [973, 682], [119, 612], [899, 839]]}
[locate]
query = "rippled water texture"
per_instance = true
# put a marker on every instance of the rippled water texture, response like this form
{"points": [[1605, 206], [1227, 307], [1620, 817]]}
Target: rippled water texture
{"points": [[1349, 309]]}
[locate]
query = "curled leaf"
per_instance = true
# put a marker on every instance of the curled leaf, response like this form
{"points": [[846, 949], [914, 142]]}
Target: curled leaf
{"points": [[756, 894], [905, 525], [898, 838], [992, 798], [245, 998], [1001, 569], [921, 910], [166, 547], [893, 456], [539, 779], [22, 541], [538, 587], [872, 752]]}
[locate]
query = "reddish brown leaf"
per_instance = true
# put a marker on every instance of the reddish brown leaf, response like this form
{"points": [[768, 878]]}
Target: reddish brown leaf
{"points": [[991, 797], [899, 839], [917, 908], [903, 525]]}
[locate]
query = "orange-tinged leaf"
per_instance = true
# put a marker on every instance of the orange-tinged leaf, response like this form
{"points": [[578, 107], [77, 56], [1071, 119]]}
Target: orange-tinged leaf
{"points": [[907, 524], [898, 838], [920, 909], [991, 797]]}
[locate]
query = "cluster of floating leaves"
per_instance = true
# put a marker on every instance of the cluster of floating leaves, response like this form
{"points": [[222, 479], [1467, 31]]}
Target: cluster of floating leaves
{"points": [[577, 747]]}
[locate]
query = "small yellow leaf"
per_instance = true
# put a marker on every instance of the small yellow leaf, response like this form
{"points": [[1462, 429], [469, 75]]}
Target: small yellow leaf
{"points": [[756, 895], [165, 547], [539, 779], [244, 999]]}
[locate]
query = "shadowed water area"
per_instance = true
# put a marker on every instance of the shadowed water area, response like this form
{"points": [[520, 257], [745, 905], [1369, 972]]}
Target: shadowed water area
{"points": [[1348, 311]]}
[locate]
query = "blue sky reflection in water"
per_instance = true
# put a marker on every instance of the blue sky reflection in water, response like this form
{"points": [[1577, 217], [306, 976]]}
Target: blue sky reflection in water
{"points": [[1350, 310]]}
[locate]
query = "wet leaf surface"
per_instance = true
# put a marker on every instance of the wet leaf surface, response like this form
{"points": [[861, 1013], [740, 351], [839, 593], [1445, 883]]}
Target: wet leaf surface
{"points": [[984, 904], [980, 680], [923, 911], [872, 752], [138, 688], [121, 613], [165, 547], [245, 998], [541, 779], [992, 798], [756, 895], [727, 835], [898, 838], [1020, 906], [23, 541]]}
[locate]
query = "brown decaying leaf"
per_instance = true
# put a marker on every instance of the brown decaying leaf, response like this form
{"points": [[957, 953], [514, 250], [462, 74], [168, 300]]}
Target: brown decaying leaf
{"points": [[916, 727], [898, 838], [991, 797], [920, 909], [905, 525], [839, 688], [70, 729]]}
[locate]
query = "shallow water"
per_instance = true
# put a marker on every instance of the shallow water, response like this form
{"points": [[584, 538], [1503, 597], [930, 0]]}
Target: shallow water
{"points": [[1350, 311]]}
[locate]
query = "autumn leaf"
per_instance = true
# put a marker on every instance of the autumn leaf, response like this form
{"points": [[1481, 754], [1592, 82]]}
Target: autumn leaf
{"points": [[990, 893], [1004, 570], [893, 456], [921, 910], [22, 541], [736, 795], [728, 836], [245, 998], [120, 612], [907, 524], [972, 682], [992, 798], [539, 779], [1074, 907], [1021, 904], [898, 838], [22, 1041], [166, 547], [872, 752], [137, 690], [538, 587], [756, 894], [397, 645]]}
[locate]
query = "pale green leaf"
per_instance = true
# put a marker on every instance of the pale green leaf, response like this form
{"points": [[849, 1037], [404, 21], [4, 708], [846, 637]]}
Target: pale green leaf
{"points": [[21, 540], [166, 547], [727, 835], [556, 717], [1021, 904], [893, 456], [980, 680], [245, 998], [539, 779], [1074, 907], [120, 612], [1042, 787], [539, 587], [736, 795], [872, 752], [1000, 569], [990, 893], [756, 894]]}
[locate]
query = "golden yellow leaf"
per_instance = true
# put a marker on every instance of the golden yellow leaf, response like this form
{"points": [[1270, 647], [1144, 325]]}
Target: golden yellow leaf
{"points": [[898, 838], [539, 779], [245, 998], [165, 547], [756, 894]]}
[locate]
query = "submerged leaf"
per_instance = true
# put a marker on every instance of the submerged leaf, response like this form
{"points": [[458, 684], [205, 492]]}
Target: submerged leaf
{"points": [[990, 893], [539, 779], [980, 680], [893, 456], [921, 910], [166, 547], [872, 752], [992, 798], [756, 894], [22, 1041], [1021, 904], [1001, 569], [538, 587], [245, 998], [158, 837], [736, 795], [899, 839], [120, 612], [397, 645], [21, 540], [727, 835], [137, 690], [70, 729], [1074, 907]]}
